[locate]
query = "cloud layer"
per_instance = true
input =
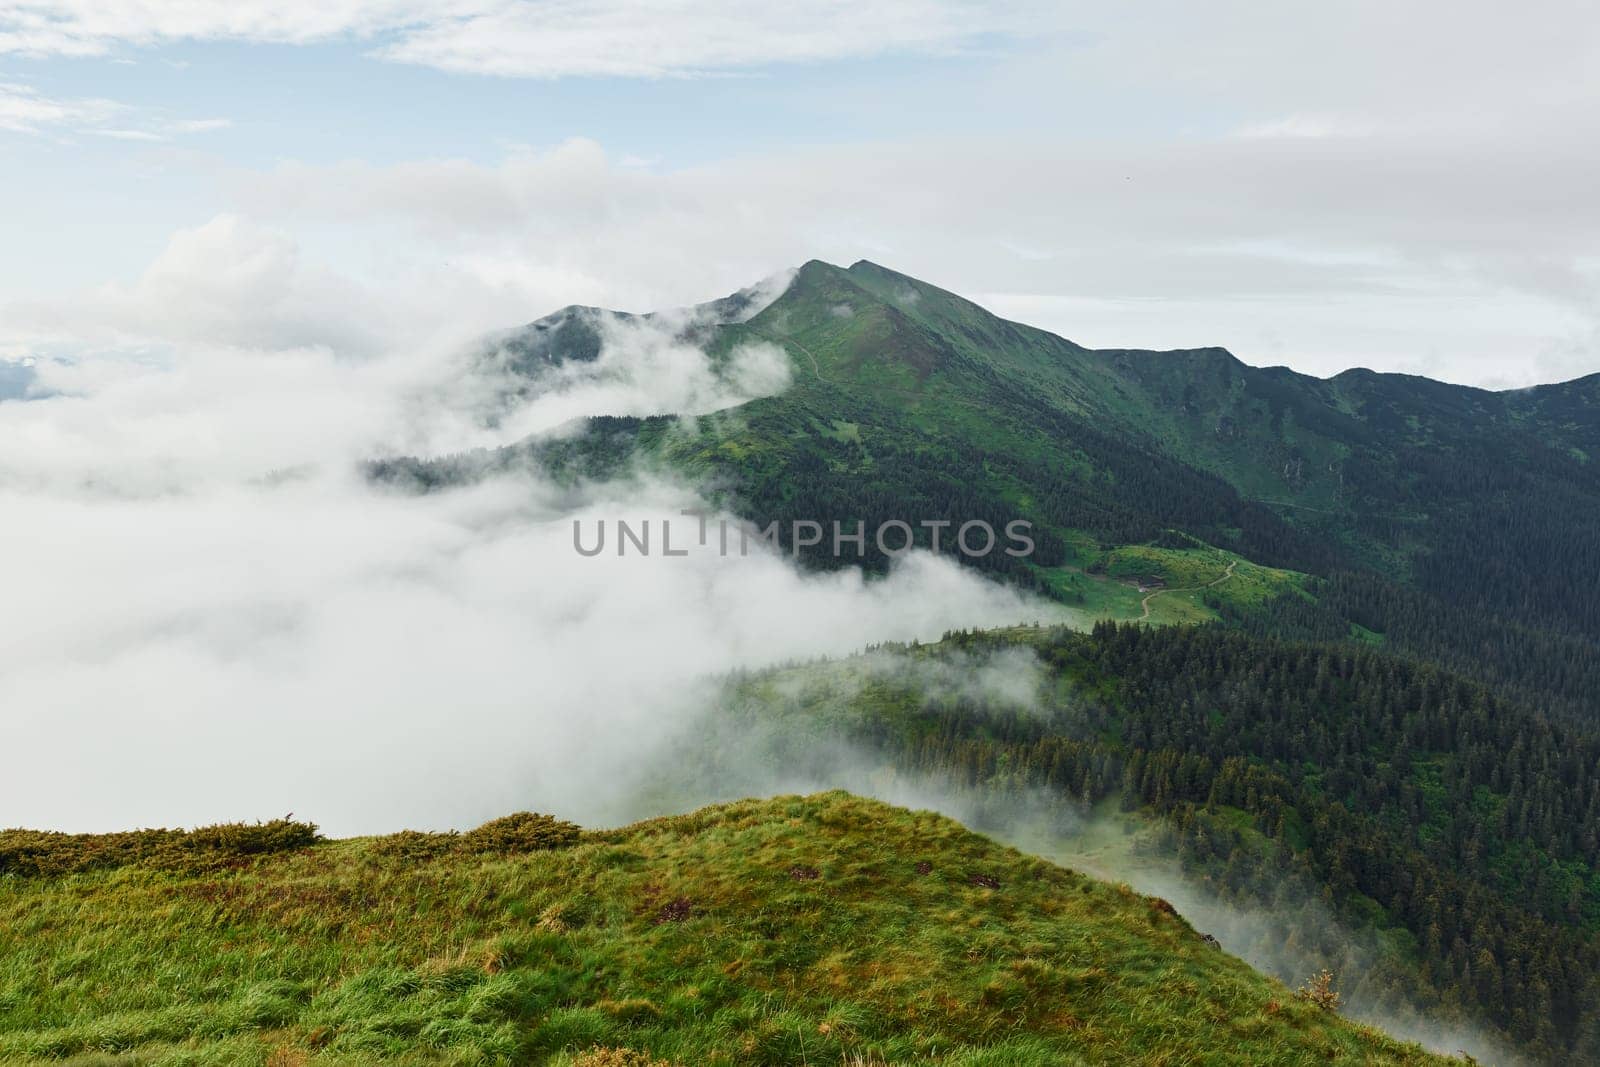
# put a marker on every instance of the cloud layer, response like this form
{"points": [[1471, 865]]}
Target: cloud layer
{"points": [[211, 616]]}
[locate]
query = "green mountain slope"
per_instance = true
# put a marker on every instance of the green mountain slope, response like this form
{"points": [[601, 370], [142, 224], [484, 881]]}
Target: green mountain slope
{"points": [[1454, 524], [827, 929]]}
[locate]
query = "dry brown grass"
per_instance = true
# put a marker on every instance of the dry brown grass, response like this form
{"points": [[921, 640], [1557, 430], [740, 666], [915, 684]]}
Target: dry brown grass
{"points": [[619, 1057]]}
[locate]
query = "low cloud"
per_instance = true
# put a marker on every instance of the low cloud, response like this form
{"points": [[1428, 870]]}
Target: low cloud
{"points": [[1009, 680], [211, 616], [1292, 939]]}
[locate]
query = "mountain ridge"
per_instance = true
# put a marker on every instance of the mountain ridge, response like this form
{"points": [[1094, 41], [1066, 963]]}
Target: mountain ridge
{"points": [[1391, 507], [1592, 378]]}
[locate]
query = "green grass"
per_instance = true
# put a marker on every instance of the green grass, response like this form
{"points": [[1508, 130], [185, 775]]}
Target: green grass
{"points": [[1114, 583], [1198, 579], [819, 930], [1096, 595]]}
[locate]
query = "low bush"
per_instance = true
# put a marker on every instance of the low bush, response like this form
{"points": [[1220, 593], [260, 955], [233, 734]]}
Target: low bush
{"points": [[46, 853], [415, 846], [524, 831], [1318, 990]]}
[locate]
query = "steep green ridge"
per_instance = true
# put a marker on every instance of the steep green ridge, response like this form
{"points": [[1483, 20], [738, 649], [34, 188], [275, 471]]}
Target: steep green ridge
{"points": [[1455, 830], [1411, 478], [827, 929]]}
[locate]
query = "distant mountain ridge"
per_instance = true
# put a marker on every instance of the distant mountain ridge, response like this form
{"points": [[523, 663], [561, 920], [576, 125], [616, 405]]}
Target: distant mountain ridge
{"points": [[934, 330]]}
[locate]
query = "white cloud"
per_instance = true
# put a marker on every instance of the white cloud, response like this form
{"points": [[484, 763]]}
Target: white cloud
{"points": [[227, 282], [1310, 126], [95, 27], [198, 125], [1319, 252], [373, 662], [620, 39], [227, 335], [527, 38], [1464, 259], [25, 110], [125, 135], [643, 370]]}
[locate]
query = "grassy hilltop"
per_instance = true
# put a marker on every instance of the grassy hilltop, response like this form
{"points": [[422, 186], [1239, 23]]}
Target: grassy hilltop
{"points": [[816, 930]]}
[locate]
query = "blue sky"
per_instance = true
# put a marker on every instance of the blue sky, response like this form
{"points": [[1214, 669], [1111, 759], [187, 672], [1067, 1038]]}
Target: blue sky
{"points": [[1322, 188]]}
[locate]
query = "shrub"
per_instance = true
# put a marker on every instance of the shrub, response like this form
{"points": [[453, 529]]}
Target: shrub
{"points": [[1318, 990], [524, 831], [415, 845], [46, 853], [252, 839]]}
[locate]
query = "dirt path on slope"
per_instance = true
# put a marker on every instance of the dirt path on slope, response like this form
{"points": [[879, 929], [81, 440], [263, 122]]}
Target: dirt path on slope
{"points": [[1145, 603]]}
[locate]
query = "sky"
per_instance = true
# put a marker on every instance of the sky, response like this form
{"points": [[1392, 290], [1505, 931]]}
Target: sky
{"points": [[1403, 187], [249, 246]]}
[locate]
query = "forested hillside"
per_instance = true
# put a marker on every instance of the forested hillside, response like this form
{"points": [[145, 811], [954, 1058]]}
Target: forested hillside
{"points": [[1463, 829]]}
